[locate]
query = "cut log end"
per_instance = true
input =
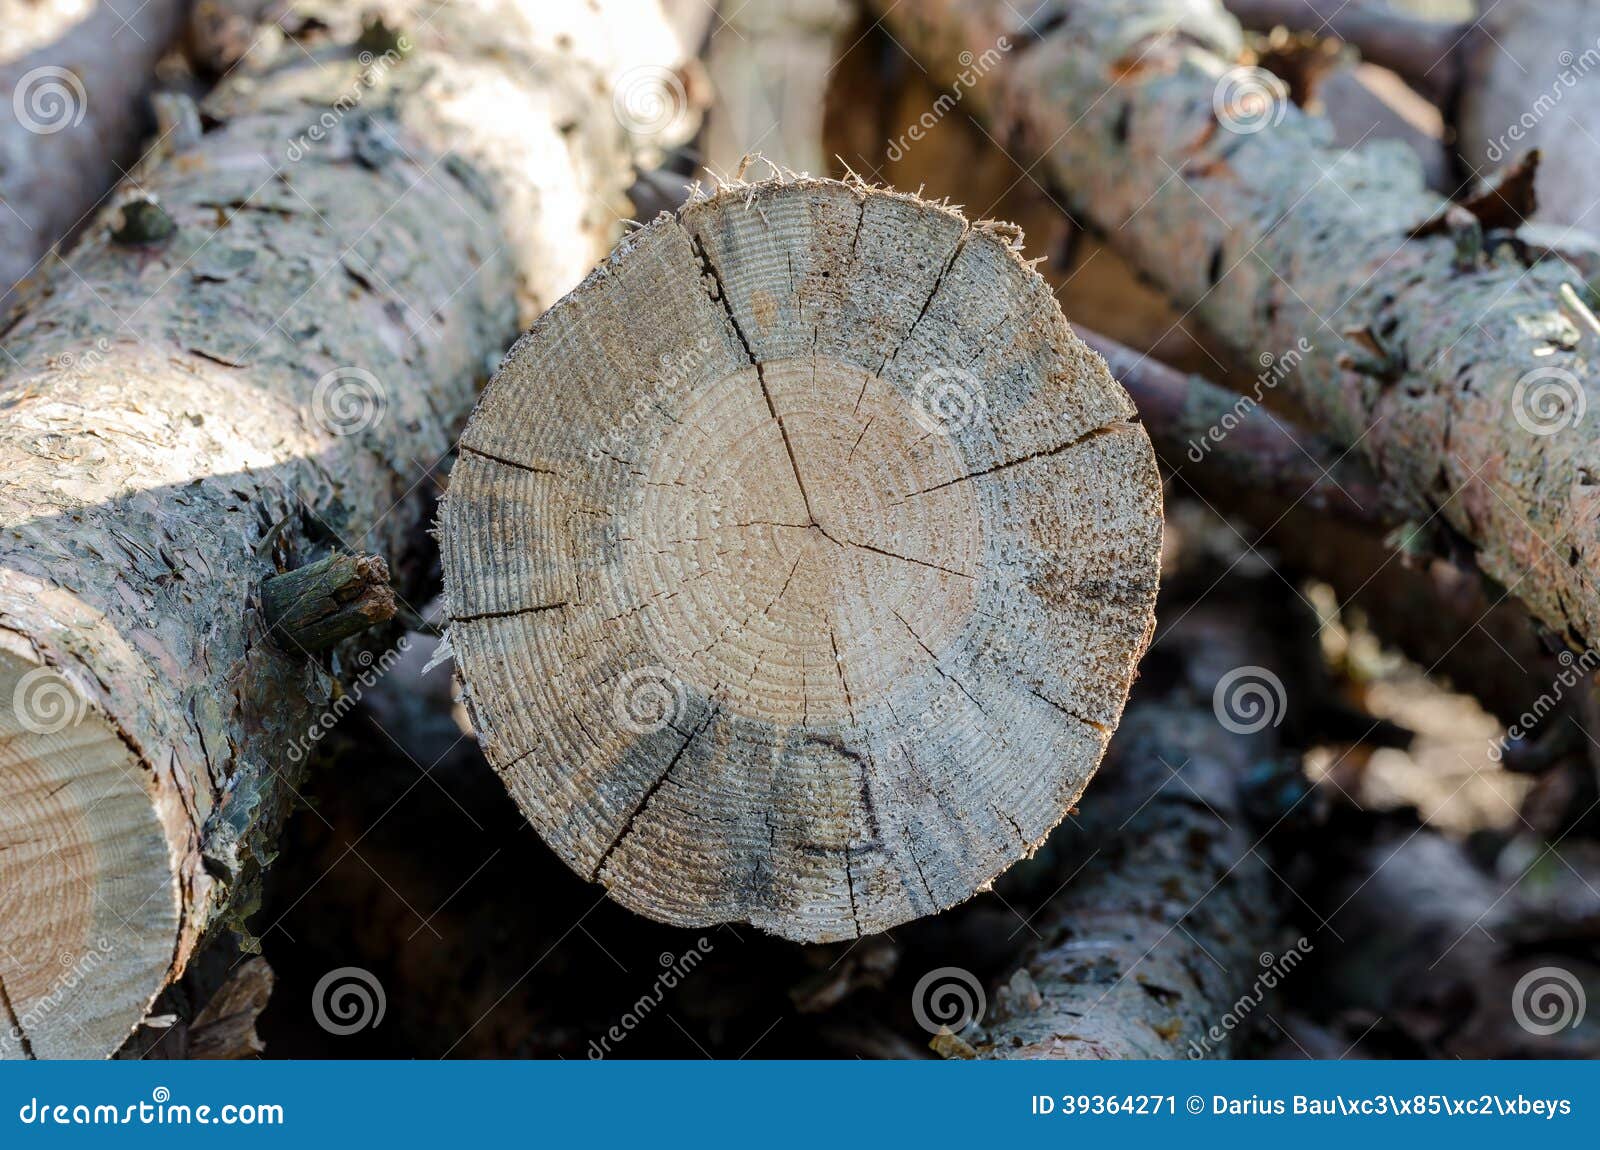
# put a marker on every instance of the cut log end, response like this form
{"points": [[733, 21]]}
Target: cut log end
{"points": [[88, 908], [798, 562]]}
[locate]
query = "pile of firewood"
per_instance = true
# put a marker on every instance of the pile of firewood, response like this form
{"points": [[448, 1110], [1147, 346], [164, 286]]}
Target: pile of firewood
{"points": [[1005, 534]]}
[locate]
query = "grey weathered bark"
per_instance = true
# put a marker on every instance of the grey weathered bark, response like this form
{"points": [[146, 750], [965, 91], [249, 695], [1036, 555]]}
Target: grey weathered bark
{"points": [[356, 240], [1463, 385], [1155, 938], [74, 82], [1320, 511], [1513, 79], [811, 593]]}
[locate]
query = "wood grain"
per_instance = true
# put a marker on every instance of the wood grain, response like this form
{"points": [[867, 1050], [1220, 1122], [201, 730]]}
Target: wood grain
{"points": [[799, 561]]}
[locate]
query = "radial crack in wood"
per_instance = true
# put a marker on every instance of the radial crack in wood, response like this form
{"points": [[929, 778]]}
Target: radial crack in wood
{"points": [[798, 562]]}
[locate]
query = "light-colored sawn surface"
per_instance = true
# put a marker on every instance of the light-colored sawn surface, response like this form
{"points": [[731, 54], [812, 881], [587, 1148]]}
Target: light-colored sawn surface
{"points": [[799, 561]]}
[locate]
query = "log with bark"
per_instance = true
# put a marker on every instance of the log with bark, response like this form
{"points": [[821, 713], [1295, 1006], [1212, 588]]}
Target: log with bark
{"points": [[1461, 374], [74, 87], [798, 562], [1511, 79], [259, 361], [1165, 912], [1320, 512]]}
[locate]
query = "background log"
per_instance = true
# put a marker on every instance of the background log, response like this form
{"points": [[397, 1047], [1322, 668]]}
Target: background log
{"points": [[1461, 385], [768, 65], [353, 245], [75, 78]]}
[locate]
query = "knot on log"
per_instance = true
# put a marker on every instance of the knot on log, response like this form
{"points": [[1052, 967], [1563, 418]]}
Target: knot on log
{"points": [[144, 223], [318, 606]]}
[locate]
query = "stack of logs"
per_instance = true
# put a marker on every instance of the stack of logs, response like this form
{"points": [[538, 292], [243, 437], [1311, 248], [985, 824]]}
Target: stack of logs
{"points": [[800, 562]]}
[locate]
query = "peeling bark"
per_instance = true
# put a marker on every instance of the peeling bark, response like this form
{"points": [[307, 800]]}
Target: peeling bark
{"points": [[356, 240]]}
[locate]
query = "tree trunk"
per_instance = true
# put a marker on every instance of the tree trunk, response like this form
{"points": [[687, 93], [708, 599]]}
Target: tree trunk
{"points": [[1155, 938], [1514, 79], [264, 365], [74, 81], [1458, 373], [811, 594], [1318, 509]]}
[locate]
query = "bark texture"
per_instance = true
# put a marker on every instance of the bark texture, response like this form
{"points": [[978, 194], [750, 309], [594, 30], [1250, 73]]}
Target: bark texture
{"points": [[1169, 916], [811, 594], [355, 242], [1464, 386], [74, 82], [1319, 510], [1516, 78]]}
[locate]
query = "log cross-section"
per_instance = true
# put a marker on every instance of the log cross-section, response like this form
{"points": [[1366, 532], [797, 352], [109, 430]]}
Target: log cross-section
{"points": [[798, 562]]}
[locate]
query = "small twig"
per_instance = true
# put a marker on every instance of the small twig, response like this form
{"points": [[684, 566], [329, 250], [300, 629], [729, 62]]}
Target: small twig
{"points": [[321, 604]]}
